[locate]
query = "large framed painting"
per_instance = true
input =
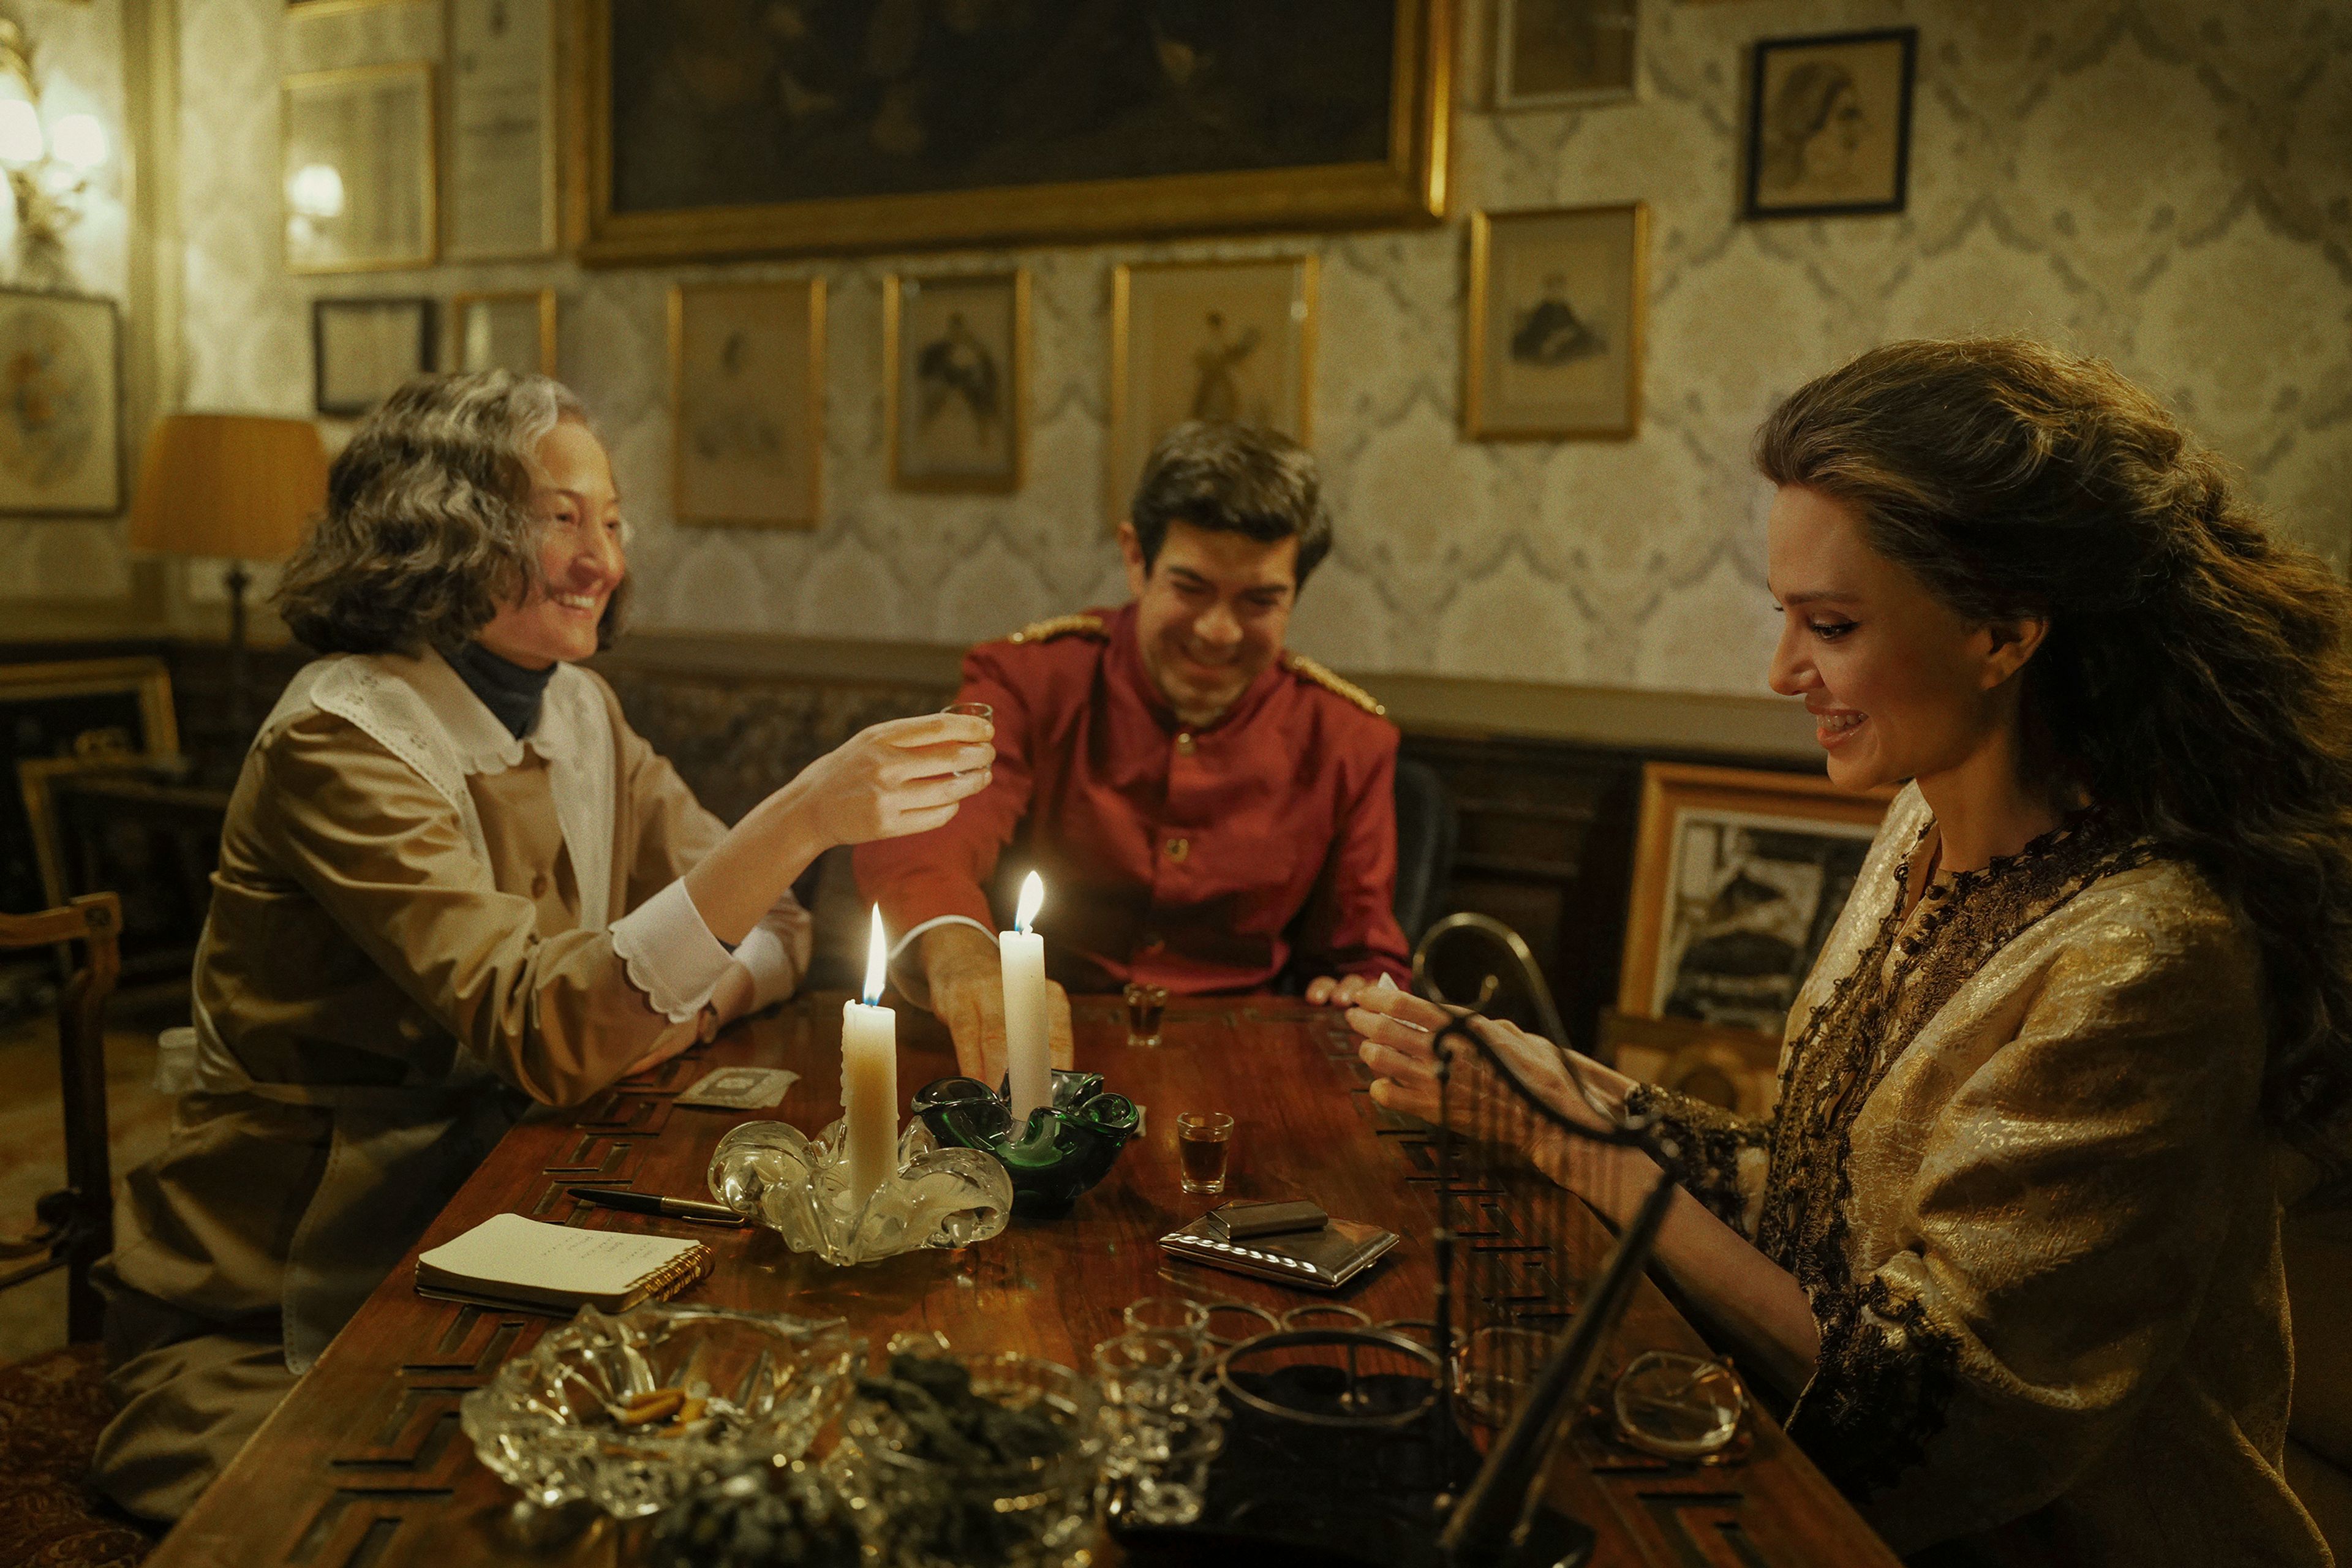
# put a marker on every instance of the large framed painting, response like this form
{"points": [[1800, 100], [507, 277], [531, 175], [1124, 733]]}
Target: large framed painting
{"points": [[1738, 875], [955, 365], [1230, 340], [747, 402], [1553, 342], [61, 417], [356, 166], [1829, 124], [740, 127]]}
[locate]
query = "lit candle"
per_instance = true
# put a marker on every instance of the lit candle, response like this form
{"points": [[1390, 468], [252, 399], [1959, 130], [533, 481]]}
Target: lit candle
{"points": [[869, 1079], [1028, 1050]]}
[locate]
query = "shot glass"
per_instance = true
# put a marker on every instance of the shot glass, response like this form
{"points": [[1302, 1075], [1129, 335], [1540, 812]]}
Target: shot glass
{"points": [[1144, 1005], [1203, 1142], [971, 710]]}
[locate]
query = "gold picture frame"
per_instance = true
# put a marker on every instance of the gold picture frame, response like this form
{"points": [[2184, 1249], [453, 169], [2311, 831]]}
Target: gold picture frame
{"points": [[479, 340], [747, 403], [484, 91], [1239, 306], [138, 723], [1731, 866], [362, 221], [970, 368], [1407, 183], [37, 778], [1553, 335]]}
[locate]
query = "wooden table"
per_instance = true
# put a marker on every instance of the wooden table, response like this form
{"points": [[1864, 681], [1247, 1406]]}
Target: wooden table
{"points": [[364, 1465]]}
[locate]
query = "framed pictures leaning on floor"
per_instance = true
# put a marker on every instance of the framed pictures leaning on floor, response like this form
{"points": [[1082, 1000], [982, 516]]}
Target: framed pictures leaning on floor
{"points": [[1738, 875], [61, 411], [1207, 340], [747, 402], [955, 365], [1829, 124], [363, 349], [1553, 341], [357, 174]]}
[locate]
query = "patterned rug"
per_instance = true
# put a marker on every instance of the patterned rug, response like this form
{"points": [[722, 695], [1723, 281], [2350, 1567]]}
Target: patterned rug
{"points": [[51, 1408]]}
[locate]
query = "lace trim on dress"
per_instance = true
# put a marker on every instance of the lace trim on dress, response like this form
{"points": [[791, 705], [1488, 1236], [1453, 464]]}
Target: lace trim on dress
{"points": [[1886, 1377], [1903, 979], [1707, 1144]]}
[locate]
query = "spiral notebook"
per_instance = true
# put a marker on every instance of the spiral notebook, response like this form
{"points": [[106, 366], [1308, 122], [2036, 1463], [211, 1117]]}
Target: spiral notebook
{"points": [[509, 1261]]}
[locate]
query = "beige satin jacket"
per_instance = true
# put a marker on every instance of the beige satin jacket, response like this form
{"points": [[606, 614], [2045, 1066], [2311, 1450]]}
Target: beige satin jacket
{"points": [[2018, 1167], [408, 942]]}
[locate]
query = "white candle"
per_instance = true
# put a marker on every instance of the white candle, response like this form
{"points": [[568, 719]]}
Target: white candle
{"points": [[1028, 1047], [869, 1080]]}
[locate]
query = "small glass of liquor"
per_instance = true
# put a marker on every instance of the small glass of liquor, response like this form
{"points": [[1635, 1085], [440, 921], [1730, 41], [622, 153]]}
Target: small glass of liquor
{"points": [[1204, 1141], [971, 710], [1144, 1005]]}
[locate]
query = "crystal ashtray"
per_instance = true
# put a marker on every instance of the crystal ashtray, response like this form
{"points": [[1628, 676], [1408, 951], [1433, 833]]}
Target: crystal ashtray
{"points": [[631, 1411], [796, 1185], [1063, 1150]]}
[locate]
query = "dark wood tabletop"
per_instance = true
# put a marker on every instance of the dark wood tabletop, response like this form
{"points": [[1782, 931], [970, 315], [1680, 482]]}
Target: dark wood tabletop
{"points": [[364, 1466]]}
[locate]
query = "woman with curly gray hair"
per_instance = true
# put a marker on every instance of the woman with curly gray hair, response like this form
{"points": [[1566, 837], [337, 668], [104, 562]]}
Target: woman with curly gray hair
{"points": [[453, 882]]}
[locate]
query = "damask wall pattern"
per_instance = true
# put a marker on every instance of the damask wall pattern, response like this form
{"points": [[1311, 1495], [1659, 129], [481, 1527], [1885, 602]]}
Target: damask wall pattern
{"points": [[2167, 183]]}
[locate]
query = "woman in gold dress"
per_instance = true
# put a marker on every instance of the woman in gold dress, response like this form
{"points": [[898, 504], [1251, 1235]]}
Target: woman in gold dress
{"points": [[2011, 1236]]}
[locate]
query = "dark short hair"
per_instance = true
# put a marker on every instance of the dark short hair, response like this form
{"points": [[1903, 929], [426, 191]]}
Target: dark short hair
{"points": [[1232, 479], [428, 528]]}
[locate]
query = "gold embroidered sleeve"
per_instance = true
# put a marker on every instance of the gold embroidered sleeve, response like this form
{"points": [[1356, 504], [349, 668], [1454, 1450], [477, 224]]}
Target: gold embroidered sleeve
{"points": [[1718, 1155], [2065, 1215]]}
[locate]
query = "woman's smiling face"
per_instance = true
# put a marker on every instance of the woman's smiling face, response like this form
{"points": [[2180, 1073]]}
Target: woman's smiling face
{"points": [[1899, 685]]}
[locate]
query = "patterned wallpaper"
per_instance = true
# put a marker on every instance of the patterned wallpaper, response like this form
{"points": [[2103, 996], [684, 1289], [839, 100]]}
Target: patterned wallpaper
{"points": [[78, 58], [2164, 182]]}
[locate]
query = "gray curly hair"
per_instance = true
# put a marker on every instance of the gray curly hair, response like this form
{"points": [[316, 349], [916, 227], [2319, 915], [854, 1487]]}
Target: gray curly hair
{"points": [[428, 528]]}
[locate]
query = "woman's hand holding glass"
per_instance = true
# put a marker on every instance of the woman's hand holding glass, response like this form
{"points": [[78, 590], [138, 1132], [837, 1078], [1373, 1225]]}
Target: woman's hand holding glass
{"points": [[902, 776]]}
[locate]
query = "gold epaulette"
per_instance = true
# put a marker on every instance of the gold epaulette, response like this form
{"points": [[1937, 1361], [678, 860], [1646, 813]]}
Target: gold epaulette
{"points": [[1299, 664], [1060, 626]]}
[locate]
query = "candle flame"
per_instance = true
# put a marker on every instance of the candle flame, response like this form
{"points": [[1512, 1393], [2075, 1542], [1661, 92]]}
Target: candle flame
{"points": [[878, 958], [1032, 898]]}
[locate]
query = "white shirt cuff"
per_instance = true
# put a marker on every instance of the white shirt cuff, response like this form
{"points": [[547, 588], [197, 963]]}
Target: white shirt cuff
{"points": [[776, 952], [670, 953], [908, 976]]}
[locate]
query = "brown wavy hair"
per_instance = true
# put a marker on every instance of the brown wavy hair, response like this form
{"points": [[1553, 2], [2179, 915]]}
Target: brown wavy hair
{"points": [[428, 528], [2195, 679]]}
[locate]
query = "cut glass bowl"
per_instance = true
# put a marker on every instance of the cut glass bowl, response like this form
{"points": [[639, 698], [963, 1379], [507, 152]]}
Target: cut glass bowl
{"points": [[775, 1174], [553, 1423]]}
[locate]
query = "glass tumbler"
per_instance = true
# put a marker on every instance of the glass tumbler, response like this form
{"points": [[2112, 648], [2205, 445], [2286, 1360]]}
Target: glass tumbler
{"points": [[1204, 1144], [1145, 1003]]}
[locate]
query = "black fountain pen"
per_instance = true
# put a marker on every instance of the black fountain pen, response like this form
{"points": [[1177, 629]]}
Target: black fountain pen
{"points": [[654, 1203]]}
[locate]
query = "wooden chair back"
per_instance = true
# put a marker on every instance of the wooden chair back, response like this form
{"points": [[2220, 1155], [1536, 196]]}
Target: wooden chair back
{"points": [[73, 1228]]}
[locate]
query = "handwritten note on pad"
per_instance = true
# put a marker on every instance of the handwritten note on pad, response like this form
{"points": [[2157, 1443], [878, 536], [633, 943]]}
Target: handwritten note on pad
{"points": [[509, 1260]]}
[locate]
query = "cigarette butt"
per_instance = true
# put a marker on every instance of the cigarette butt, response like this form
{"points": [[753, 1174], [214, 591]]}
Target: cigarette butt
{"points": [[689, 1412], [657, 1405]]}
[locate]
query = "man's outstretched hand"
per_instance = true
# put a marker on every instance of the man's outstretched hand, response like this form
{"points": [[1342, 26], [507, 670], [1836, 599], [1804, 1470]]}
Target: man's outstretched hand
{"points": [[967, 980]]}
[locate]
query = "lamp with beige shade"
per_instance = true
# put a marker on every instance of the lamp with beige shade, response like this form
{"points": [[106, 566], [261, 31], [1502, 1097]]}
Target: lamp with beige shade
{"points": [[238, 487]]}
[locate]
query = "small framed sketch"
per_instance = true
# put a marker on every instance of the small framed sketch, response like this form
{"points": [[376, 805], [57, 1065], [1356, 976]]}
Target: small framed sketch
{"points": [[357, 169], [955, 354], [1229, 340], [1562, 54], [61, 409], [1553, 344], [512, 331], [502, 143], [1829, 124], [747, 402], [1738, 875], [364, 349]]}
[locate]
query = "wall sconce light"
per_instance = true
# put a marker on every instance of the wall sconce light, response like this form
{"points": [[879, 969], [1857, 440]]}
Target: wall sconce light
{"points": [[48, 167]]}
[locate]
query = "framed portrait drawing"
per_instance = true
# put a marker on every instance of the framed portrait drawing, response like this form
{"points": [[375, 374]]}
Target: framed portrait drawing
{"points": [[1207, 340], [363, 349], [709, 130], [1829, 124], [1738, 875], [955, 352], [1564, 54], [513, 331], [356, 167], [1553, 344], [747, 402], [62, 417], [501, 189]]}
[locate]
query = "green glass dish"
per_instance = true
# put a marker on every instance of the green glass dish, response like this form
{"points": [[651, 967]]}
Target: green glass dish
{"points": [[1065, 1148]]}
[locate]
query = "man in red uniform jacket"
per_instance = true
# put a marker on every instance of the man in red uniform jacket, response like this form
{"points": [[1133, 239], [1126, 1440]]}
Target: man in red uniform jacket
{"points": [[1207, 810]]}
